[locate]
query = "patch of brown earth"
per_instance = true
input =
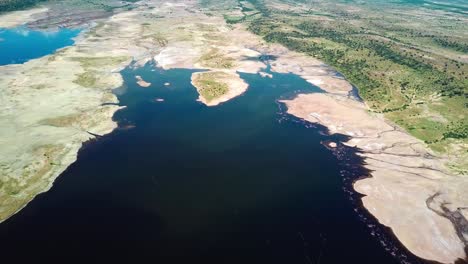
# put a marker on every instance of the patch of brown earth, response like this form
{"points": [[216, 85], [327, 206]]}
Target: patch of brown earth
{"points": [[141, 82]]}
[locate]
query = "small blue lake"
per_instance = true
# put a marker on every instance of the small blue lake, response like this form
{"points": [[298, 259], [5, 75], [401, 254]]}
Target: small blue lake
{"points": [[20, 44]]}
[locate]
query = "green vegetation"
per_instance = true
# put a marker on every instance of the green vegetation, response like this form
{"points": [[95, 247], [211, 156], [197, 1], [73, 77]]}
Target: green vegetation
{"points": [[407, 64], [451, 44], [87, 79], [218, 5], [209, 86], [153, 35], [97, 62], [61, 121], [12, 5], [234, 11], [39, 86], [92, 66], [214, 59], [13, 193]]}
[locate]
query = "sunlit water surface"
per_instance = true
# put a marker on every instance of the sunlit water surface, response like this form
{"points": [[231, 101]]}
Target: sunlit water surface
{"points": [[20, 44]]}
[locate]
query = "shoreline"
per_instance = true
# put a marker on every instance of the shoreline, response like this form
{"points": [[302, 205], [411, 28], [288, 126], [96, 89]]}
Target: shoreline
{"points": [[80, 108], [234, 84], [397, 174], [383, 234], [354, 170], [107, 43]]}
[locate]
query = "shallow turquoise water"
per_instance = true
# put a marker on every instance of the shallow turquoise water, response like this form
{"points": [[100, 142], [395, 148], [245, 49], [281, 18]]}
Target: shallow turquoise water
{"points": [[20, 44]]}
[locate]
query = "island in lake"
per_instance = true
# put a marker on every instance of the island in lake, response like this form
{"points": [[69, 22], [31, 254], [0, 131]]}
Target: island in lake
{"points": [[230, 131]]}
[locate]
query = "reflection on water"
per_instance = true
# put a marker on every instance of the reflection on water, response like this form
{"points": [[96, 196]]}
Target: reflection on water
{"points": [[20, 44]]}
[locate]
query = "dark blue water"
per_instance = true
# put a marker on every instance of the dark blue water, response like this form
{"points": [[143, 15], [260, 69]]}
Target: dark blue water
{"points": [[18, 45], [239, 183]]}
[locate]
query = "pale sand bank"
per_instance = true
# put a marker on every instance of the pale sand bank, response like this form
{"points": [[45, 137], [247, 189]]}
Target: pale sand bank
{"points": [[405, 176], [266, 75], [142, 82], [421, 230], [51, 105]]}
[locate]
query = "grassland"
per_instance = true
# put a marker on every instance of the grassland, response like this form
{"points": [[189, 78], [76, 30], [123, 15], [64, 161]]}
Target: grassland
{"points": [[92, 65], [214, 59], [97, 62], [13, 194], [408, 61], [209, 86], [62, 121]]}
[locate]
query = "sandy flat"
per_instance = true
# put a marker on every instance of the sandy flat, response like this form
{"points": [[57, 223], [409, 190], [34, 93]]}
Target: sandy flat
{"points": [[17, 18], [402, 182]]}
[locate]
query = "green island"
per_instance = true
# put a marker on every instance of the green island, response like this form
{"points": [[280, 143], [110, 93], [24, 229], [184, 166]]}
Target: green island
{"points": [[210, 86]]}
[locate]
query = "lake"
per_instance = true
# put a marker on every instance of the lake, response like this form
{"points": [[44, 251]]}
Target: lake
{"points": [[178, 182], [22, 44]]}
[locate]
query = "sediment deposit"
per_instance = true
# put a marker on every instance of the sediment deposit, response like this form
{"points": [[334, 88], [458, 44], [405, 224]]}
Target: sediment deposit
{"points": [[409, 190]]}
